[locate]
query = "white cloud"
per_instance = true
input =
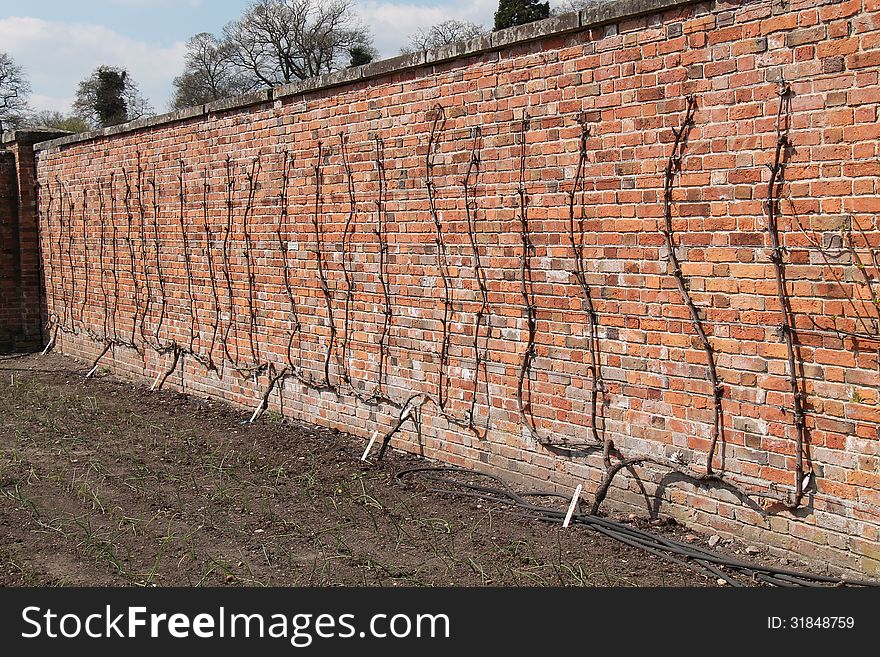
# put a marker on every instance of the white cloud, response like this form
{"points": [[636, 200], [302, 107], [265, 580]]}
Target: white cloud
{"points": [[42, 102], [393, 22], [56, 56]]}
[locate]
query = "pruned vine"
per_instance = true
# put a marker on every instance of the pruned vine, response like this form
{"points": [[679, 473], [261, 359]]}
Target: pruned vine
{"points": [[381, 236], [181, 221], [527, 291], [252, 175], [777, 257], [481, 316], [673, 168], [437, 126], [212, 278], [281, 227], [347, 233], [322, 273], [231, 322], [576, 217]]}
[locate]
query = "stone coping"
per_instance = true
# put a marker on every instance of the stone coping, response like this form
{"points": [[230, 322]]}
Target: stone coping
{"points": [[601, 13]]}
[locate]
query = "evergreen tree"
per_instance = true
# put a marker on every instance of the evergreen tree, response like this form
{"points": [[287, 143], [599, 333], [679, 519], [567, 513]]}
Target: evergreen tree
{"points": [[520, 12], [109, 97]]}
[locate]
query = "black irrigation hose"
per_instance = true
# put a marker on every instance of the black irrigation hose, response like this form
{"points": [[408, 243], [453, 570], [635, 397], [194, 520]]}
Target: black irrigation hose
{"points": [[690, 555]]}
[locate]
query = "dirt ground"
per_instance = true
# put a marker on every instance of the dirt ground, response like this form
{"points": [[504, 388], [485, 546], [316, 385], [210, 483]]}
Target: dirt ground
{"points": [[104, 483]]}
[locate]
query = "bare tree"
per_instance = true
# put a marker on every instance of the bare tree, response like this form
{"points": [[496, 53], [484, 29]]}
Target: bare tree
{"points": [[14, 90], [209, 73], [279, 41], [56, 121], [571, 6], [108, 97], [442, 34]]}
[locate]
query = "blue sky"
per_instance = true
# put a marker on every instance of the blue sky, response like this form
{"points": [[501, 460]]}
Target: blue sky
{"points": [[60, 42]]}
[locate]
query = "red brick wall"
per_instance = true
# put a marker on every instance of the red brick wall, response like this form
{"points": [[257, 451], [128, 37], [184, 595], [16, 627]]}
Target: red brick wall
{"points": [[111, 204], [21, 298], [9, 253]]}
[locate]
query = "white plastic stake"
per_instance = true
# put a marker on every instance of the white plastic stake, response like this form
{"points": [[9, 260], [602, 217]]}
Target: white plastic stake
{"points": [[370, 445], [156, 382], [256, 411], [574, 501], [92, 371]]}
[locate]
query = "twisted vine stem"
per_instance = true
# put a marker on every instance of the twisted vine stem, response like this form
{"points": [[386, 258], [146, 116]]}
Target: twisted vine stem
{"points": [[231, 324], [215, 295], [85, 251], [181, 221], [212, 278], [115, 257], [283, 217], [481, 316], [673, 167], [777, 257], [523, 384], [129, 221], [576, 216], [253, 176], [142, 218], [157, 251], [437, 126], [101, 245], [53, 322], [387, 315], [71, 208], [347, 233], [322, 274]]}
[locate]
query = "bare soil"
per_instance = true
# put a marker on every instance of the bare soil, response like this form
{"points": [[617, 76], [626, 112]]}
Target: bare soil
{"points": [[103, 483]]}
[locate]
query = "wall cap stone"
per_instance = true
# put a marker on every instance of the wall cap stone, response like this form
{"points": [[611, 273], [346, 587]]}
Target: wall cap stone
{"points": [[32, 135], [603, 12]]}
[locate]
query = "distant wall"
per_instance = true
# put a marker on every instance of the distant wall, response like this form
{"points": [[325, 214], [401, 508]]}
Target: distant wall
{"points": [[383, 232], [21, 300], [10, 319]]}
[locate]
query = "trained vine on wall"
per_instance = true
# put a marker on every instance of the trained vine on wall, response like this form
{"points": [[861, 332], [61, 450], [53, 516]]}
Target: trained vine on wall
{"points": [[155, 315]]}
